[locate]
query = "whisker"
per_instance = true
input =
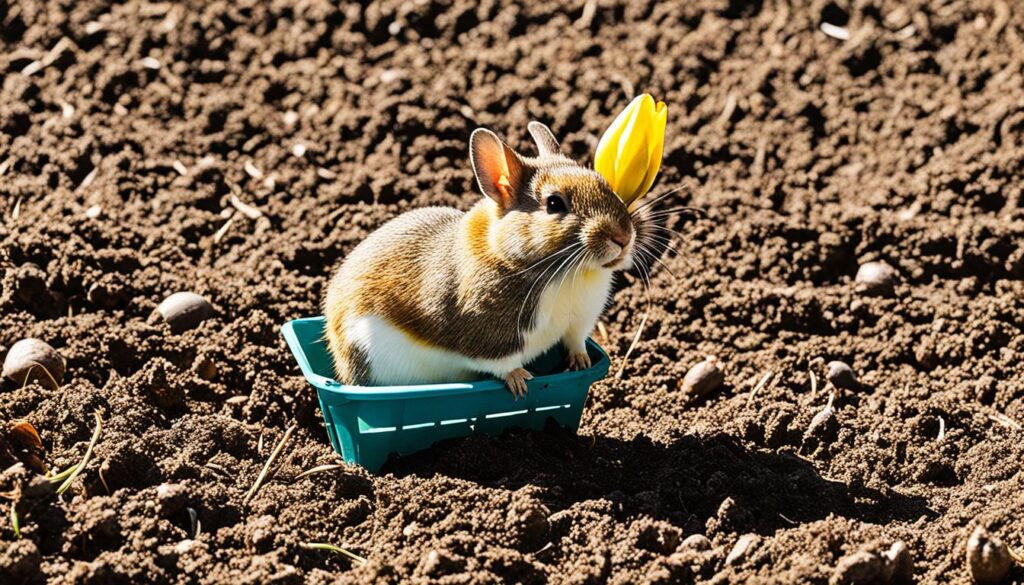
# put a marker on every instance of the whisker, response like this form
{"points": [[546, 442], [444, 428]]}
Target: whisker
{"points": [[647, 284], [667, 229], [538, 262], [660, 239], [665, 266], [674, 210], [657, 199], [572, 264], [646, 253], [519, 319], [526, 298]]}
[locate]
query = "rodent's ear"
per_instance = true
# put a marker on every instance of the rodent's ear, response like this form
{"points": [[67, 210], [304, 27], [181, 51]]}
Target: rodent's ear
{"points": [[498, 169], [545, 139]]}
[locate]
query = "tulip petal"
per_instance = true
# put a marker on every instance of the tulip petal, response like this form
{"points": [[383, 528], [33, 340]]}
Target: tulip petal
{"points": [[639, 119], [657, 147], [608, 147], [631, 175], [632, 160]]}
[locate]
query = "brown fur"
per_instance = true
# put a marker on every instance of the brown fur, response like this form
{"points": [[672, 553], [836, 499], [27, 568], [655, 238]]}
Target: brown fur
{"points": [[457, 280]]}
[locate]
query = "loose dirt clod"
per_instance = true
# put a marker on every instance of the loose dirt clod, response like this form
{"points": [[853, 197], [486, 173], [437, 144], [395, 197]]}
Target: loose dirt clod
{"points": [[184, 311], [841, 375], [987, 557], [702, 378], [34, 360], [876, 278]]}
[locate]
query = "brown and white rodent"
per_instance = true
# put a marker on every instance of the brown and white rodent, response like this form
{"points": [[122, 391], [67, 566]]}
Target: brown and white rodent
{"points": [[439, 295]]}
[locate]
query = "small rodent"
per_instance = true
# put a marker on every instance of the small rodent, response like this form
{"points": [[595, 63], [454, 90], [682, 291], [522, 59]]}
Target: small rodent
{"points": [[441, 295]]}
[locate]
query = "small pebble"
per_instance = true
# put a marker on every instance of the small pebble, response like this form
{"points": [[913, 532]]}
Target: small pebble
{"points": [[836, 32], [93, 212], [823, 427], [27, 359], [876, 278], [899, 563], [171, 498], [703, 378], [391, 75], [841, 375], [299, 149], [697, 542], [741, 549], [205, 368], [29, 446], [184, 311], [859, 568], [987, 557]]}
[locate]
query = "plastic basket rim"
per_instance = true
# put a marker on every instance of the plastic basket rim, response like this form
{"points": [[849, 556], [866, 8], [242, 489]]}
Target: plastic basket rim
{"points": [[596, 371]]}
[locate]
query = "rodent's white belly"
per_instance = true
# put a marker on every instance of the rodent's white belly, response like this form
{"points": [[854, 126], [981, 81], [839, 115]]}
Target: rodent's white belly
{"points": [[397, 358], [564, 305]]}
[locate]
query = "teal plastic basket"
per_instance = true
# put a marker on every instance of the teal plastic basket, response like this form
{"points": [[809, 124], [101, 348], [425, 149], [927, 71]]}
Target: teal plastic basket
{"points": [[367, 424]]}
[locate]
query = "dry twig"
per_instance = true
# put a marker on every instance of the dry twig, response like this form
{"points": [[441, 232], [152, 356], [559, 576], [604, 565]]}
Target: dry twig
{"points": [[632, 345], [266, 466]]}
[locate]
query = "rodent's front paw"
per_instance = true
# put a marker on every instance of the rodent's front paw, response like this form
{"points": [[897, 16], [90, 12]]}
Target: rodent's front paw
{"points": [[579, 360], [516, 381]]}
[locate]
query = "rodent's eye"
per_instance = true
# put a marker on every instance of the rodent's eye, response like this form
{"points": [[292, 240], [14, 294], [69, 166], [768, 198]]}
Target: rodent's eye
{"points": [[556, 203]]}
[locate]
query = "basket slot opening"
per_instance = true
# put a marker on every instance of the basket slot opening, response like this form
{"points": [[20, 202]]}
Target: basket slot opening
{"points": [[456, 421], [418, 426], [555, 407], [378, 430], [509, 413]]}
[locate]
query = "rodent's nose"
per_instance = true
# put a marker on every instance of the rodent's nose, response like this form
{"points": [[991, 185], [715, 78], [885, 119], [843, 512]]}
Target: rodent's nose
{"points": [[621, 238]]}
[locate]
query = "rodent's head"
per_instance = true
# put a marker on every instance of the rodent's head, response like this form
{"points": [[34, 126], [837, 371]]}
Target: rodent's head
{"points": [[551, 205]]}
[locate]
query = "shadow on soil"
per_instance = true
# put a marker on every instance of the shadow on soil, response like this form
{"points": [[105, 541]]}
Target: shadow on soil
{"points": [[683, 483]]}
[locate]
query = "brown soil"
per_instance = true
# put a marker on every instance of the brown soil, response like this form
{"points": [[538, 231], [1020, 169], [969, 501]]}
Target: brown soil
{"points": [[810, 155]]}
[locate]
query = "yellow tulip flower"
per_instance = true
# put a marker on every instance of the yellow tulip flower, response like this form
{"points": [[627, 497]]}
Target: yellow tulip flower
{"points": [[629, 154]]}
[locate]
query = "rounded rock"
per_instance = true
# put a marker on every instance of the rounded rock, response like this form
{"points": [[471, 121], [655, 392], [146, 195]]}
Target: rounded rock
{"points": [[184, 311], [703, 378], [696, 542], [859, 568], [987, 557], [876, 278], [205, 368], [33, 360], [899, 564], [743, 547], [841, 375]]}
